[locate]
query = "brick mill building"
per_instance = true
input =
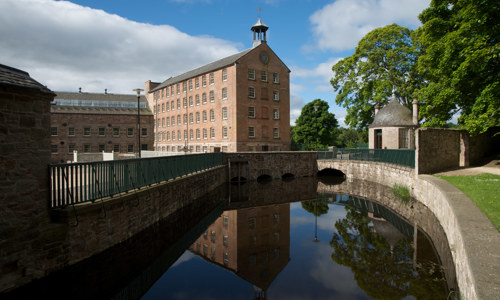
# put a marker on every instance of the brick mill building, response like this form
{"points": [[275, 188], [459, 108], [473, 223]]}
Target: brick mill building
{"points": [[238, 103], [93, 122]]}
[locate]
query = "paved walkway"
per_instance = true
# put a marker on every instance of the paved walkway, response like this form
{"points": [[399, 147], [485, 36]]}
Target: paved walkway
{"points": [[492, 167]]}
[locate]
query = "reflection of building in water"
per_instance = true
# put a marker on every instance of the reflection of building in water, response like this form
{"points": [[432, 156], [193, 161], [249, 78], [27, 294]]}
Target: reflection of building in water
{"points": [[254, 243], [384, 228]]}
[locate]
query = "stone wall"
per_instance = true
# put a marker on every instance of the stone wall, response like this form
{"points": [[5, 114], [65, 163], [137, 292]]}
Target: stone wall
{"points": [[437, 150], [386, 174], [25, 231], [473, 240], [274, 164], [93, 227]]}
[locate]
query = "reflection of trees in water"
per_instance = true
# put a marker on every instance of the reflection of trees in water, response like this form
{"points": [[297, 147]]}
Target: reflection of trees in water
{"points": [[382, 272], [316, 207]]}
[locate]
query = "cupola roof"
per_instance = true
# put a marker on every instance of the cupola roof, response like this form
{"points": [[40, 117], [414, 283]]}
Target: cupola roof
{"points": [[394, 114]]}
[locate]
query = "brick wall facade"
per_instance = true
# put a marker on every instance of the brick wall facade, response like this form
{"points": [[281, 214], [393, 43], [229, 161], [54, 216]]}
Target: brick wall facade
{"points": [[185, 97], [70, 134]]}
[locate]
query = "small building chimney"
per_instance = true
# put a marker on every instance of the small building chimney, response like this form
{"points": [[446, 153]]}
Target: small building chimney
{"points": [[106, 91], [377, 108], [415, 111]]}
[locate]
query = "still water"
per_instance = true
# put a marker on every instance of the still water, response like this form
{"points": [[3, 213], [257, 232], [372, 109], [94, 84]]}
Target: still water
{"points": [[328, 248], [301, 239]]}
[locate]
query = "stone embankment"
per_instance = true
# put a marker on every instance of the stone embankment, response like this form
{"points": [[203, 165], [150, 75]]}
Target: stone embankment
{"points": [[473, 240]]}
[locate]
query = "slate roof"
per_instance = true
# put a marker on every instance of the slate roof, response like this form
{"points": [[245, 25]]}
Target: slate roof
{"points": [[15, 77], [203, 69], [393, 115]]}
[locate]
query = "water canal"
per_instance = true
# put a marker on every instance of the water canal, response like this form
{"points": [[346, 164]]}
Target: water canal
{"points": [[296, 239]]}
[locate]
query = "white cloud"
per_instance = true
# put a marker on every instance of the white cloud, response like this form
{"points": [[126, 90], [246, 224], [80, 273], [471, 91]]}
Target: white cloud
{"points": [[66, 46], [340, 25], [322, 72], [296, 104]]}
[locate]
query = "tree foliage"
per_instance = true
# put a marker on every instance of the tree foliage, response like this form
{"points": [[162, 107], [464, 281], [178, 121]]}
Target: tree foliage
{"points": [[317, 207], [315, 129], [350, 138], [461, 62], [384, 60]]}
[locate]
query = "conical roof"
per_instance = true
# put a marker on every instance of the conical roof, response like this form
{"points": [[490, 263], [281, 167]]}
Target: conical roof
{"points": [[259, 26], [393, 115]]}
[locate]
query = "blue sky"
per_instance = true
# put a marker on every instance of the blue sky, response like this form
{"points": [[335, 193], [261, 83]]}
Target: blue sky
{"points": [[120, 44]]}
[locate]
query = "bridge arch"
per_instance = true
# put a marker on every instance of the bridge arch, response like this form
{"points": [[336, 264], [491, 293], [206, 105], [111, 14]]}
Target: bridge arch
{"points": [[330, 172]]}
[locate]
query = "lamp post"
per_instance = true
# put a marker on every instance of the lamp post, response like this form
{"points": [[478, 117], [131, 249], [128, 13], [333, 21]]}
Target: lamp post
{"points": [[316, 221], [316, 116], [139, 120]]}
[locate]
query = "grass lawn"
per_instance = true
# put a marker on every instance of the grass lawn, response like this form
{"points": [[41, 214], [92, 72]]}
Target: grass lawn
{"points": [[484, 190]]}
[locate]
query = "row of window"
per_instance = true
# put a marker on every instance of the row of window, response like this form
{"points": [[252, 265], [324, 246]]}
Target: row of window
{"points": [[196, 117], [101, 131], [87, 148], [165, 107], [263, 76], [172, 104], [263, 94], [180, 148], [169, 90], [172, 136]]}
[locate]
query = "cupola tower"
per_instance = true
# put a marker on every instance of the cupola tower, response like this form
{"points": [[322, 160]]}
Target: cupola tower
{"points": [[259, 33]]}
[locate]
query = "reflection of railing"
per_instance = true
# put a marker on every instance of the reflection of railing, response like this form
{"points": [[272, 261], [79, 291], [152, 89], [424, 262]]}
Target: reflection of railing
{"points": [[402, 157], [82, 182]]}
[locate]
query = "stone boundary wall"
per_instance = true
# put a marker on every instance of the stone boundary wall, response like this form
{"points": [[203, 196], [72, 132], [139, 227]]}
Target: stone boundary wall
{"points": [[93, 227], [472, 238], [437, 150]]}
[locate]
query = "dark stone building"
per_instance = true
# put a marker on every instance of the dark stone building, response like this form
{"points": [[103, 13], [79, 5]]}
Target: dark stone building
{"points": [[24, 192]]}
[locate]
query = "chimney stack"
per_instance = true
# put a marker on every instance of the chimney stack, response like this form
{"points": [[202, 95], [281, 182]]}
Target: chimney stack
{"points": [[415, 111], [377, 108], [106, 91]]}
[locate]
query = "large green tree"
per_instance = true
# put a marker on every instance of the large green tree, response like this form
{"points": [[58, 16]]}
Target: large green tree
{"points": [[384, 60], [461, 62], [315, 128]]}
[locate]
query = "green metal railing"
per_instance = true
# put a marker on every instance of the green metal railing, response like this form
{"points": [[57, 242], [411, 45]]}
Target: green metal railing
{"points": [[82, 182], [403, 157]]}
